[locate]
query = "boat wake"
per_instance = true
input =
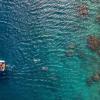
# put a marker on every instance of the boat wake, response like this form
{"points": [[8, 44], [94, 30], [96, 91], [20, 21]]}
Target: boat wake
{"points": [[10, 67]]}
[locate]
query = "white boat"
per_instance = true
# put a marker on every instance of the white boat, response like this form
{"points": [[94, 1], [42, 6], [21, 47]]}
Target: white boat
{"points": [[2, 65]]}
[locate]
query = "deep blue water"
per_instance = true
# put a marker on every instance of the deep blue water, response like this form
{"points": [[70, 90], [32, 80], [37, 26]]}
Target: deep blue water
{"points": [[36, 34]]}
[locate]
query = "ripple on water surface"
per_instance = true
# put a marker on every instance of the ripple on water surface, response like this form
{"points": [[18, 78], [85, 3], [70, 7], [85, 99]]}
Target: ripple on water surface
{"points": [[34, 38]]}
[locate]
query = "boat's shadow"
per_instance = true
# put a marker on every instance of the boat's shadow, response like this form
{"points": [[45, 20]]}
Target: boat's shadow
{"points": [[5, 77], [3, 74]]}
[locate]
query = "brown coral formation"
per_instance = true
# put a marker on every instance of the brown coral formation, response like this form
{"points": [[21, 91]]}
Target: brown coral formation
{"points": [[93, 43], [94, 78], [83, 10]]}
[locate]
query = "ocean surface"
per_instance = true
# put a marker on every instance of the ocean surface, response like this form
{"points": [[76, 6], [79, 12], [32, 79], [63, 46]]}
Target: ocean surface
{"points": [[35, 37]]}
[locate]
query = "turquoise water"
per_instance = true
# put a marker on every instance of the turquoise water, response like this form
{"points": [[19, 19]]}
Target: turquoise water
{"points": [[36, 34]]}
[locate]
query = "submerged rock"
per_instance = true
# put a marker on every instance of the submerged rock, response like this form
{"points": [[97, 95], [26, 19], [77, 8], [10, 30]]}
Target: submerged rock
{"points": [[89, 82], [98, 18], [83, 10], [81, 54], [70, 53], [72, 46], [93, 43], [95, 1], [70, 50], [94, 78]]}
